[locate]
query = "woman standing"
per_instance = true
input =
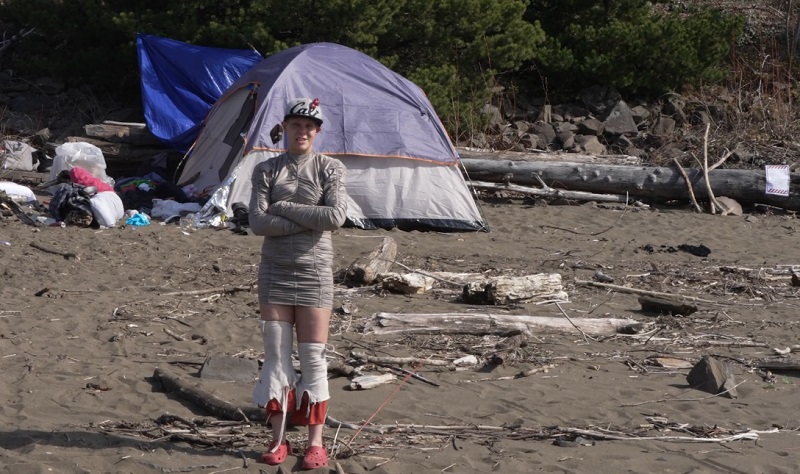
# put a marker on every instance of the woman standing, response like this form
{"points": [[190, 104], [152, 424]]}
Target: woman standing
{"points": [[298, 198]]}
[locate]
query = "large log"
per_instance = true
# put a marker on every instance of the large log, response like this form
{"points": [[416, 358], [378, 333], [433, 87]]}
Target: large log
{"points": [[476, 154], [745, 186], [120, 132], [494, 324]]}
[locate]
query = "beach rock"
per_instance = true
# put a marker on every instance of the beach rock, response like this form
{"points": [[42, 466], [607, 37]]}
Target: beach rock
{"points": [[664, 126], [589, 144], [619, 120], [232, 369], [713, 376], [733, 207]]}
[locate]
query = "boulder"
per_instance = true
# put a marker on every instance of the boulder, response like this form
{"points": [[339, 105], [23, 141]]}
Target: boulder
{"points": [[619, 120], [714, 376]]}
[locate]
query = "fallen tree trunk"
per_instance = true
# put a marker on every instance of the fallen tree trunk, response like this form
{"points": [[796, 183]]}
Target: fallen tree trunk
{"points": [[194, 393], [466, 153], [745, 186], [494, 324]]}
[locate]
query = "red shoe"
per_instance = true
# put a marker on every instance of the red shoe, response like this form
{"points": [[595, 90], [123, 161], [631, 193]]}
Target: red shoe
{"points": [[315, 457], [273, 459]]}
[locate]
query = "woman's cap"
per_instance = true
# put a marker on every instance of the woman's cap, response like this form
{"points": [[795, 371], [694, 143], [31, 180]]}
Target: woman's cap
{"points": [[304, 108]]}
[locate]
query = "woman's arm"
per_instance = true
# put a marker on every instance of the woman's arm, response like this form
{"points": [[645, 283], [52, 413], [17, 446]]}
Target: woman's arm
{"points": [[263, 222], [329, 216]]}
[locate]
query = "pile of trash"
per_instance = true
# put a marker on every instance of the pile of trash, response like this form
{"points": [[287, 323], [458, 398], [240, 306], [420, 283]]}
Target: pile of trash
{"points": [[80, 193]]}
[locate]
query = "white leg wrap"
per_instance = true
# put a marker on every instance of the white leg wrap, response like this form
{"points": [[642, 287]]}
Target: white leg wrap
{"points": [[314, 368], [277, 374]]}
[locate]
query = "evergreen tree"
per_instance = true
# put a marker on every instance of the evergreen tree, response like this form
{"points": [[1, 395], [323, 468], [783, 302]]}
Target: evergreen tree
{"points": [[630, 45]]}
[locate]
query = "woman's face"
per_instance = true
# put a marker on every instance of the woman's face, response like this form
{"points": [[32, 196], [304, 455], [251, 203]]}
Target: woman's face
{"points": [[300, 134]]}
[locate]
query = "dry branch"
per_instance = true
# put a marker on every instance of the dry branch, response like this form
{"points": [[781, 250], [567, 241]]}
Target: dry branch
{"points": [[66, 255], [174, 335], [221, 289], [689, 187], [547, 191], [747, 435], [524, 373], [625, 289], [398, 360]]}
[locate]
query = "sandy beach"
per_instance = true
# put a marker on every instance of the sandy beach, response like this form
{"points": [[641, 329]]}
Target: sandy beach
{"points": [[81, 336]]}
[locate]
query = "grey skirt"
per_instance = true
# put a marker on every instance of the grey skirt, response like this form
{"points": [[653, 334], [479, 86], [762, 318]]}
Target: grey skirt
{"points": [[296, 270]]}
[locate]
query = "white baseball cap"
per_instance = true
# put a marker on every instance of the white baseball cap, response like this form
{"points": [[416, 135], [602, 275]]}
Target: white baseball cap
{"points": [[305, 108]]}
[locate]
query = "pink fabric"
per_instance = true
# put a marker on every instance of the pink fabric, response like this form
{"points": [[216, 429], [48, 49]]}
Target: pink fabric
{"points": [[80, 176]]}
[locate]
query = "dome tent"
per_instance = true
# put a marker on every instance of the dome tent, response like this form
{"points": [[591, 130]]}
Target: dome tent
{"points": [[402, 168]]}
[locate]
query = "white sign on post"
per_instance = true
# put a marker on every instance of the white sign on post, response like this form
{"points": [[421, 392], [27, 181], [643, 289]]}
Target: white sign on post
{"points": [[777, 179]]}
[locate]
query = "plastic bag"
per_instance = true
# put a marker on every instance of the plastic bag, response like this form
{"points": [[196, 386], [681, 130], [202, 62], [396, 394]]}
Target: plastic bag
{"points": [[167, 209], [139, 219], [83, 155], [107, 208]]}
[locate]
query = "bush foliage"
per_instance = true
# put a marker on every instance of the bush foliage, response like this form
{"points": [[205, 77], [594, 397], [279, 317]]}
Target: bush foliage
{"points": [[456, 50]]}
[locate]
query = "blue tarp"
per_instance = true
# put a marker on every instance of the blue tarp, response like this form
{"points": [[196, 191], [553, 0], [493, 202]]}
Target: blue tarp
{"points": [[181, 82]]}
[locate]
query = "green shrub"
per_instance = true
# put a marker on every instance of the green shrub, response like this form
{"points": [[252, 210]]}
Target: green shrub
{"points": [[629, 45], [455, 50]]}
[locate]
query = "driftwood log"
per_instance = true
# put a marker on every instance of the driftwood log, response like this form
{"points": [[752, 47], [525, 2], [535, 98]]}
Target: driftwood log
{"points": [[663, 305], [550, 192], [466, 153], [194, 393], [507, 290], [477, 288], [745, 186], [407, 283], [123, 132], [367, 382], [365, 270], [788, 364], [494, 324]]}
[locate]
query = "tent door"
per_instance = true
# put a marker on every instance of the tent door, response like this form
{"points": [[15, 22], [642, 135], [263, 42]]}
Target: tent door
{"points": [[235, 135]]}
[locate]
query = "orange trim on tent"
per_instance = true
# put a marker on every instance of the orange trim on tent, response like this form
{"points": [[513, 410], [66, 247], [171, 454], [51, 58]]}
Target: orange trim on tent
{"points": [[414, 158]]}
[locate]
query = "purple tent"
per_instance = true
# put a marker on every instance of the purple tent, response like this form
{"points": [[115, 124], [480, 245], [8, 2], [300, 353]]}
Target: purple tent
{"points": [[402, 166], [370, 109]]}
